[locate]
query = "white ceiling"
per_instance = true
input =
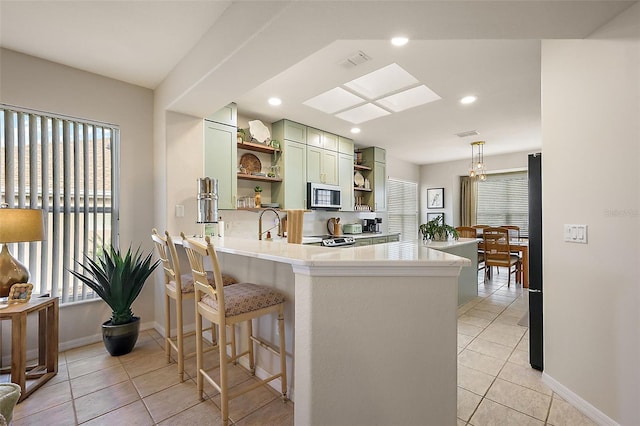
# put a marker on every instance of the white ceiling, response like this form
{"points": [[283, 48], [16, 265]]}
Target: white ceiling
{"points": [[204, 54]]}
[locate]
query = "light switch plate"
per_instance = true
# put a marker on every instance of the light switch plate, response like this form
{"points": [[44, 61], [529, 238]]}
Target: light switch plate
{"points": [[179, 210], [575, 233]]}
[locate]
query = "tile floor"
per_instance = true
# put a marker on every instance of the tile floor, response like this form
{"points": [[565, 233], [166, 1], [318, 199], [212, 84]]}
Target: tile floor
{"points": [[496, 385]]}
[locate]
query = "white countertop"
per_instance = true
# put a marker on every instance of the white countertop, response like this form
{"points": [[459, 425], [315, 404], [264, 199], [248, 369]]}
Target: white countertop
{"points": [[313, 240], [390, 255]]}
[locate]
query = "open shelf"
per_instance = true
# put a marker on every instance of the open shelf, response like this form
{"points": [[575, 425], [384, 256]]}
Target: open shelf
{"points": [[258, 147], [355, 188], [360, 167], [258, 178]]}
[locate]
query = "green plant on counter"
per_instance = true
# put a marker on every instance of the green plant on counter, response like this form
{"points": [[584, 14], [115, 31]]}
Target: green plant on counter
{"points": [[241, 133], [257, 189], [437, 230]]}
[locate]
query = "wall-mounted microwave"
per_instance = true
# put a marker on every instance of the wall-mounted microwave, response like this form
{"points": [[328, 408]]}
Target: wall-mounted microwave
{"points": [[321, 196]]}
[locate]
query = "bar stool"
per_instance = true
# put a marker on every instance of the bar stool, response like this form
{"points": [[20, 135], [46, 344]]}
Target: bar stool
{"points": [[227, 306], [173, 281]]}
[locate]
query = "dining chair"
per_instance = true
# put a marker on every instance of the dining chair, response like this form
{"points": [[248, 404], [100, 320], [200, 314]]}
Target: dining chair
{"points": [[497, 252], [174, 280], [514, 231], [228, 306], [470, 232]]}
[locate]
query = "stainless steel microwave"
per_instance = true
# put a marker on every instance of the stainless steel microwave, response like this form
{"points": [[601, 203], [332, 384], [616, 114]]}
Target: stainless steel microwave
{"points": [[321, 196]]}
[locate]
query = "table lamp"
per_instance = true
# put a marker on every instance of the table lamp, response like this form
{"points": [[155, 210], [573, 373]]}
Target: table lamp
{"points": [[16, 226]]}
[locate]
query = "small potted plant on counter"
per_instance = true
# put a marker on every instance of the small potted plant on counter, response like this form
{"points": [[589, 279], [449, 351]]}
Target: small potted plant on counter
{"points": [[118, 280], [258, 201], [437, 230]]}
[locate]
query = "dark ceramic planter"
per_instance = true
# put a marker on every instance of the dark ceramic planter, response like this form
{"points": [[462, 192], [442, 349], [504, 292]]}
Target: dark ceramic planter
{"points": [[120, 339]]}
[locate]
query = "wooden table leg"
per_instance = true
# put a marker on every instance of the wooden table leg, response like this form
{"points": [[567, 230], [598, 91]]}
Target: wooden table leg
{"points": [[525, 267], [19, 350]]}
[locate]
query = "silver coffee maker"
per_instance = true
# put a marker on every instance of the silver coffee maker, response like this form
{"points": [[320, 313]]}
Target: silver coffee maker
{"points": [[207, 200]]}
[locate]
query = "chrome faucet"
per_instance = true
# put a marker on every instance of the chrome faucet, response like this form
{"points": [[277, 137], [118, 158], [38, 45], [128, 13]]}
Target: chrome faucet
{"points": [[260, 222]]}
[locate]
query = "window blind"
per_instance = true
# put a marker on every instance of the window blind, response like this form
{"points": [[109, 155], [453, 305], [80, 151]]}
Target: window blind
{"points": [[66, 167], [503, 199], [402, 208]]}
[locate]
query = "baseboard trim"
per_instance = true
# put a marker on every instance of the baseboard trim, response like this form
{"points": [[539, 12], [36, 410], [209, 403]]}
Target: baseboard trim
{"points": [[581, 404]]}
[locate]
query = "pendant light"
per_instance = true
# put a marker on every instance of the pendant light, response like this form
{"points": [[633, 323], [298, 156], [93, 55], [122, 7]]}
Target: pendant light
{"points": [[477, 161]]}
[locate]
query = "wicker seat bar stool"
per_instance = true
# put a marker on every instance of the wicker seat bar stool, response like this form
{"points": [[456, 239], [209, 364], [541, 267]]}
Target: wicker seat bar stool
{"points": [[227, 306]]}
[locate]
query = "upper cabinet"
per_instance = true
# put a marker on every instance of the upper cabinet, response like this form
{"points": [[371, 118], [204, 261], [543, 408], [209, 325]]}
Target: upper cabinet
{"points": [[291, 193], [220, 159], [322, 165], [227, 115]]}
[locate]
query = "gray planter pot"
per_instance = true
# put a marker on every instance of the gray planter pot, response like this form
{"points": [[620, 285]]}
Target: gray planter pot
{"points": [[120, 339]]}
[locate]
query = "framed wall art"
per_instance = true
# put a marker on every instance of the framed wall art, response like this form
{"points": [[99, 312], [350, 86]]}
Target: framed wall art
{"points": [[435, 198], [431, 216]]}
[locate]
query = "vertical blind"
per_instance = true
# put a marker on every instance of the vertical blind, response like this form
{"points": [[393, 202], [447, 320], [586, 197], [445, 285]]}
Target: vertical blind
{"points": [[66, 167], [503, 199], [402, 208]]}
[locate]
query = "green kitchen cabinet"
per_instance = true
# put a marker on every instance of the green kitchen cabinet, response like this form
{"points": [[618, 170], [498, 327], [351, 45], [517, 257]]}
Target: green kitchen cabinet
{"points": [[220, 159], [393, 238], [321, 139], [227, 115], [345, 167], [345, 146], [291, 193], [363, 242], [322, 165], [375, 159], [290, 130]]}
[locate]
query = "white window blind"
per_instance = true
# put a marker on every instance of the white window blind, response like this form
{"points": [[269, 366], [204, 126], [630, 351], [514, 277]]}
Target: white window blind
{"points": [[402, 208], [65, 167], [503, 199]]}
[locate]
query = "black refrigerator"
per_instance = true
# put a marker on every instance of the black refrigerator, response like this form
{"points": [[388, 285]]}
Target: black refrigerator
{"points": [[535, 262]]}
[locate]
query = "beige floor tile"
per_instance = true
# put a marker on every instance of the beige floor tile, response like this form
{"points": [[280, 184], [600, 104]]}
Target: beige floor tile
{"points": [[60, 415], [43, 399], [61, 376], [467, 403], [524, 376], [274, 413], [523, 345], [469, 330], [158, 380], [464, 340], [85, 352], [491, 413], [236, 375], [460, 422], [104, 401], [100, 379], [564, 414], [490, 307], [496, 335], [486, 347], [206, 412], [249, 402], [92, 364], [147, 349], [473, 320], [474, 380], [172, 401], [520, 398], [520, 358], [479, 313], [134, 414], [480, 362], [142, 365]]}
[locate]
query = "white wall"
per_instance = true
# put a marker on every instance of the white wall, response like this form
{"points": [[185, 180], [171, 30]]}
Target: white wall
{"points": [[34, 83], [591, 175], [447, 176]]}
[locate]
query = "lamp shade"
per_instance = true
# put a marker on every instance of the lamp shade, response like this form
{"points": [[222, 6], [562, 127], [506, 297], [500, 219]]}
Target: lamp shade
{"points": [[21, 225]]}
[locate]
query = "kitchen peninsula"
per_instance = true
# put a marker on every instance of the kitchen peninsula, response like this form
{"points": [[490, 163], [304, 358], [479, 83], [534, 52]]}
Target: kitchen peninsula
{"points": [[373, 328]]}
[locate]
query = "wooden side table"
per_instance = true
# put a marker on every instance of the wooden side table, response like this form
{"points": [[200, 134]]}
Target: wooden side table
{"points": [[47, 366]]}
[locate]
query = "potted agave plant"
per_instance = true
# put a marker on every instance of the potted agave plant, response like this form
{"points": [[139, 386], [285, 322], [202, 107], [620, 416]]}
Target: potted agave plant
{"points": [[437, 230], [118, 279]]}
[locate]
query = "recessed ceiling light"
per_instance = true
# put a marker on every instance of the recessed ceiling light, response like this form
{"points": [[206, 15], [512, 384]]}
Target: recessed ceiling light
{"points": [[468, 99], [275, 101], [355, 130], [399, 41]]}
